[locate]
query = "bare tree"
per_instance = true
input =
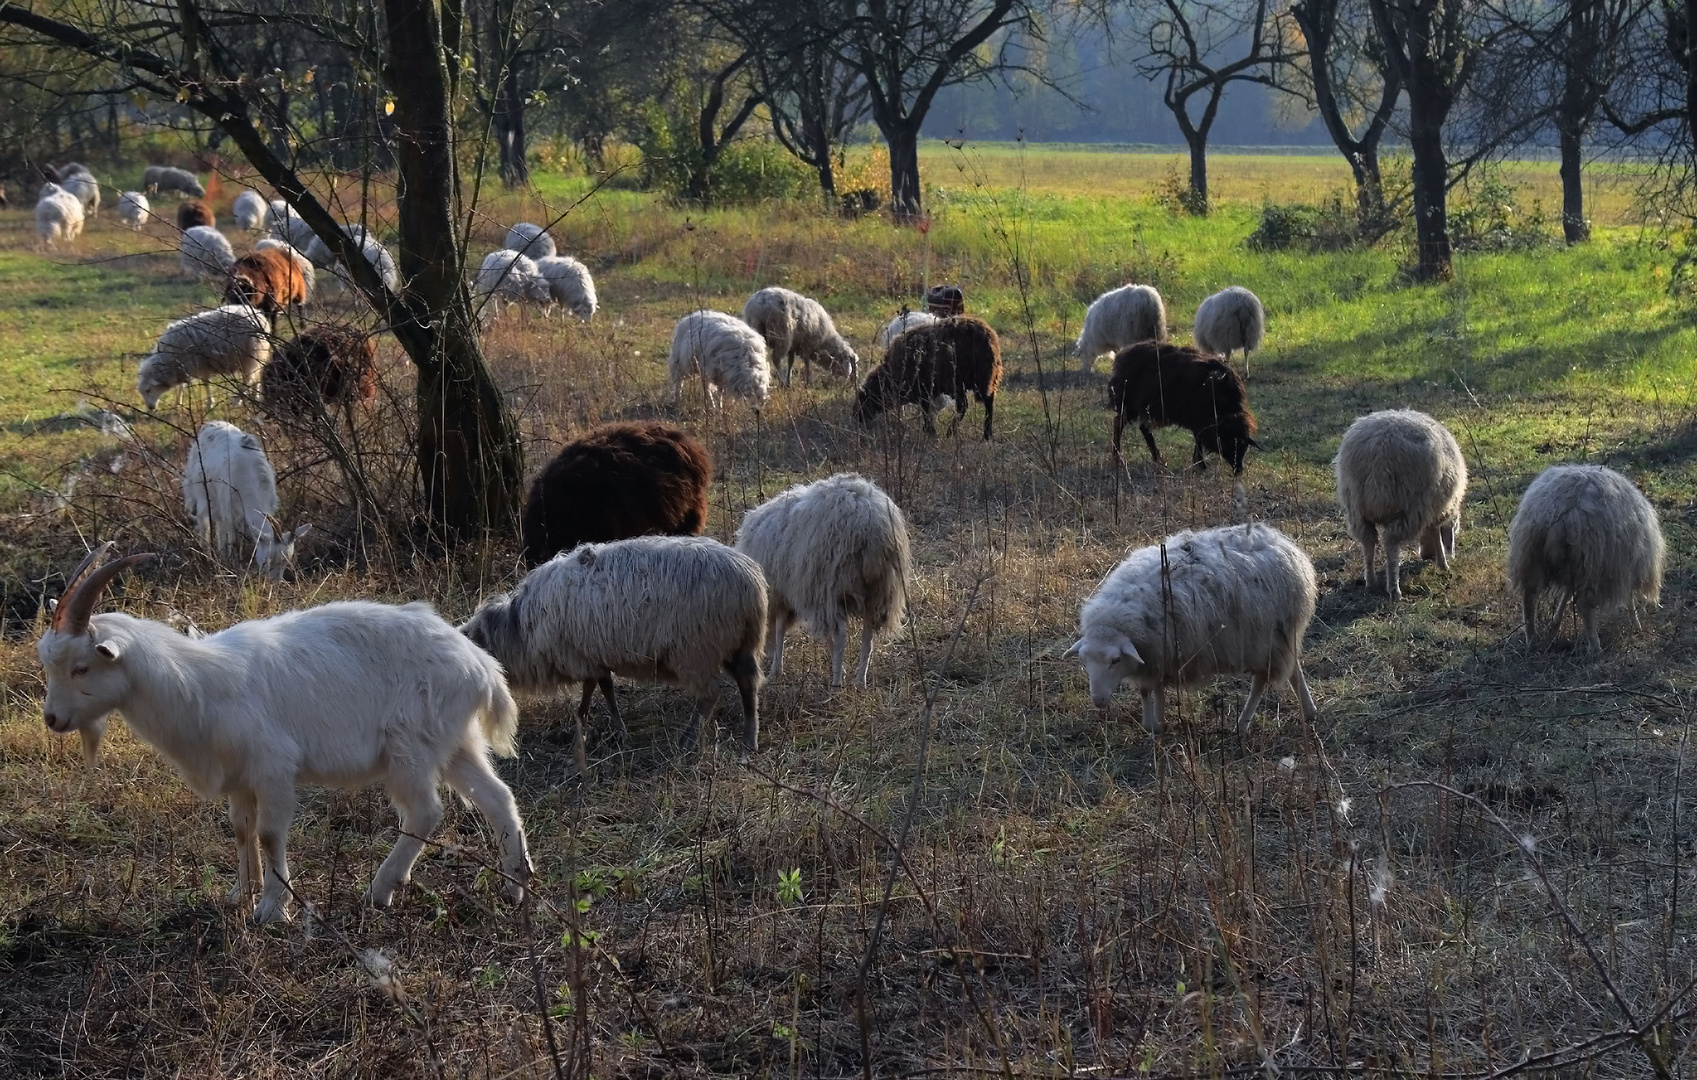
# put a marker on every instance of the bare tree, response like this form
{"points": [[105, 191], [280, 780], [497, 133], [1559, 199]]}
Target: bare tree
{"points": [[1348, 75], [1200, 47]]}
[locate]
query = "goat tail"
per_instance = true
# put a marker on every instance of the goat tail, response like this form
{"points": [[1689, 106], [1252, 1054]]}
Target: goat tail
{"points": [[499, 719]]}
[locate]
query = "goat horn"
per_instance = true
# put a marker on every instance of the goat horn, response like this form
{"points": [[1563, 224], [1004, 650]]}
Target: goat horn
{"points": [[76, 608], [89, 562]]}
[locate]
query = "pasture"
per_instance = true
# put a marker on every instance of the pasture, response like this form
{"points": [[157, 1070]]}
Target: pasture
{"points": [[1476, 857]]}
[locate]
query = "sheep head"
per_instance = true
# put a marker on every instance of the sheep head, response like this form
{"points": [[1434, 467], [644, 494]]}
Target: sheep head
{"points": [[1109, 659], [86, 680], [155, 376]]}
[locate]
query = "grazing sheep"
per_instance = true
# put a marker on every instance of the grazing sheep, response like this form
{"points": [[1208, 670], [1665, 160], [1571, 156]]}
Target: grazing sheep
{"points": [[249, 210], [204, 252], [1588, 531], [230, 493], [82, 184], [326, 365], [58, 216], [346, 694], [233, 340], [1118, 318], [1402, 473], [945, 301], [158, 179], [531, 241], [133, 209], [1157, 385], [286, 225], [73, 168], [949, 357], [1230, 319], [725, 351], [309, 273], [831, 549], [569, 283], [618, 481], [1229, 601], [507, 275], [267, 279], [675, 609], [795, 325], [196, 214], [319, 253], [900, 325]]}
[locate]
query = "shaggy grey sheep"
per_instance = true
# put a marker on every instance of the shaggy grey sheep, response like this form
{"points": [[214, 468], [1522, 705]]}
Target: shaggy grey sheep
{"points": [[375, 253], [795, 325], [233, 340], [157, 179], [1589, 532], [1230, 319], [287, 226], [507, 275], [1401, 478], [675, 609], [531, 241], [725, 351], [133, 209], [58, 216], [1119, 318], [830, 550], [205, 253], [1229, 601], [569, 283], [249, 210], [900, 325], [82, 184]]}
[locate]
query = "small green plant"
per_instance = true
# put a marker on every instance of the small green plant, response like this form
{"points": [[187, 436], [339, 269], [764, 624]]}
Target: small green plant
{"points": [[789, 887], [1175, 195], [1489, 217]]}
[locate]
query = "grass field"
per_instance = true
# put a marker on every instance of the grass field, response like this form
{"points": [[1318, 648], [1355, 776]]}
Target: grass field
{"points": [[1475, 859]]}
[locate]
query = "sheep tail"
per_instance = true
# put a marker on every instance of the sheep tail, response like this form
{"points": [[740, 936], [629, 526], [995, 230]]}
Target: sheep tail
{"points": [[499, 719]]}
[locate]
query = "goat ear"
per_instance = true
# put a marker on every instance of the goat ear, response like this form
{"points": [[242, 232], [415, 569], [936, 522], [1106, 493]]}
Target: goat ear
{"points": [[109, 649], [302, 530]]}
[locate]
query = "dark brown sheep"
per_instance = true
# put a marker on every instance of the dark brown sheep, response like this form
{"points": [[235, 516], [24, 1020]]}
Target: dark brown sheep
{"points": [[618, 481], [1158, 385], [194, 213], [268, 279], [953, 356], [328, 364]]}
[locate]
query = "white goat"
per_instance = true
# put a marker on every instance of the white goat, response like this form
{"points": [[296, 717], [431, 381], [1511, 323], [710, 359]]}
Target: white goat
{"points": [[1232, 318], [233, 341], [531, 241], [796, 325], [1401, 473], [1589, 532], [1227, 601], [230, 493], [569, 283], [133, 209], [249, 210], [205, 253], [1118, 318], [831, 549], [900, 325], [58, 216], [346, 694], [726, 352], [675, 609]]}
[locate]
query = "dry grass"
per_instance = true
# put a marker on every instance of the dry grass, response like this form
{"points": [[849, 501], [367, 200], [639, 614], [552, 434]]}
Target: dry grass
{"points": [[1073, 898]]}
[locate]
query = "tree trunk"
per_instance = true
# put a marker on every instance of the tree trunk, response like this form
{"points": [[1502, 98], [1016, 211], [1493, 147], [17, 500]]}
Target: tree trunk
{"points": [[828, 180], [1198, 142], [904, 170], [1574, 227], [469, 455], [1431, 178], [507, 120]]}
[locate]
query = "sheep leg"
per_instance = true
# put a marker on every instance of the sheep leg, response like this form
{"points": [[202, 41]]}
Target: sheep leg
{"points": [[1393, 570], [1257, 687], [1152, 720], [1593, 641], [746, 672], [989, 413], [1300, 685], [1446, 537], [863, 670], [776, 626], [704, 707], [1196, 454], [1119, 427], [930, 425], [1529, 610], [839, 645], [1561, 609], [276, 808], [421, 811], [607, 691], [1367, 545], [469, 773], [244, 808], [1149, 437], [580, 740]]}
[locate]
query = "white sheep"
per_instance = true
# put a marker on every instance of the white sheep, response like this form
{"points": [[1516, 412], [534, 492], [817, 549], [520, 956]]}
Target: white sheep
{"points": [[725, 351], [1232, 318], [309, 273], [674, 609], [230, 493], [531, 241], [1227, 601], [830, 550], [900, 325], [85, 188], [249, 210], [205, 253], [1589, 532], [570, 284], [133, 209], [796, 325], [1118, 318], [1401, 478], [161, 178], [286, 225], [375, 253], [507, 275], [231, 341], [58, 216], [347, 694]]}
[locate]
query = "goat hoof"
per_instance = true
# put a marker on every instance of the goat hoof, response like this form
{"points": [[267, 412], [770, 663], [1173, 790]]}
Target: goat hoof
{"points": [[270, 911], [379, 895], [236, 895]]}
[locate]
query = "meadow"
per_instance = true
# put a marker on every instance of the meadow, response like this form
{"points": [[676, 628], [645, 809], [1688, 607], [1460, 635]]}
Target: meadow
{"points": [[1473, 864]]}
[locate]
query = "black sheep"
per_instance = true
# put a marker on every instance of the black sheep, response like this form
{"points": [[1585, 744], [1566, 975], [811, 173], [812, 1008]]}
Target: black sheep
{"points": [[1157, 385], [953, 356]]}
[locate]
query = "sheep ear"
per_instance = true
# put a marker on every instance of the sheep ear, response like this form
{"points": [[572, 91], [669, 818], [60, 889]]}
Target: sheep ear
{"points": [[1252, 442], [109, 649], [1073, 652], [1125, 648]]}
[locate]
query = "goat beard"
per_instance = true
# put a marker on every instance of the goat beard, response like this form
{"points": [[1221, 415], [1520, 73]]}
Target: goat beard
{"points": [[91, 733]]}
